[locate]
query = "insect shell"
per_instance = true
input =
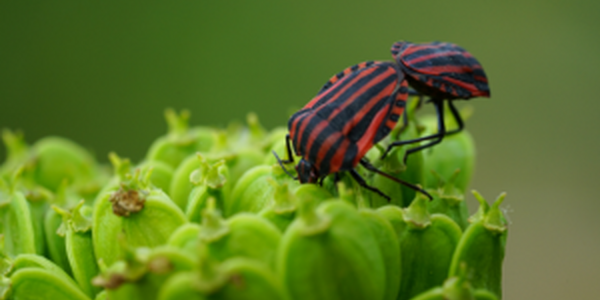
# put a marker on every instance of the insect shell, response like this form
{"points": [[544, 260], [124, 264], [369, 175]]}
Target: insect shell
{"points": [[354, 110], [441, 70]]}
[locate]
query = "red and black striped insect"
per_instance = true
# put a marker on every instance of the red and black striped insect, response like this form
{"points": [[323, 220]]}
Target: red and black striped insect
{"points": [[442, 71], [353, 111]]}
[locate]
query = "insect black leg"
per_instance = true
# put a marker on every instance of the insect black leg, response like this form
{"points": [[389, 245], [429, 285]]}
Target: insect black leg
{"points": [[457, 117], [436, 138], [372, 168], [361, 181], [290, 157], [321, 181], [439, 106]]}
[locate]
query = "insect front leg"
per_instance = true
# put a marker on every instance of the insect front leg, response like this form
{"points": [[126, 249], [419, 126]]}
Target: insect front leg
{"points": [[290, 158]]}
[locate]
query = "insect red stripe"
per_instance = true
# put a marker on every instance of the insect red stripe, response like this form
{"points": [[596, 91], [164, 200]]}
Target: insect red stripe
{"points": [[326, 145], [362, 90], [338, 158], [314, 134], [384, 93], [366, 141], [299, 140], [341, 91]]}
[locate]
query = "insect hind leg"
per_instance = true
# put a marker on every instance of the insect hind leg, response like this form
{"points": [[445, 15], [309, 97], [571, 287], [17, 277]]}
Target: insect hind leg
{"points": [[361, 181], [372, 168]]}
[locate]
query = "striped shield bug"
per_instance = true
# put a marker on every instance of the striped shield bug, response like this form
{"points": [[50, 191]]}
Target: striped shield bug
{"points": [[354, 110], [442, 71]]}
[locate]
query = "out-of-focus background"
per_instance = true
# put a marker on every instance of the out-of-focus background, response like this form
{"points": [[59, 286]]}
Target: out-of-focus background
{"points": [[102, 73]]}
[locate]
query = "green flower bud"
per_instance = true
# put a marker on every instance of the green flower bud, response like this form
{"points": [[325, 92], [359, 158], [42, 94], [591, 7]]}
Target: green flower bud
{"points": [[282, 210], [456, 288], [331, 253], [236, 278], [56, 159], [388, 244], [38, 199], [183, 182], [482, 247], [254, 191], [162, 173], [210, 180], [180, 142], [17, 152], [144, 214], [427, 243], [32, 283], [33, 275], [76, 228], [186, 237], [230, 238], [24, 261], [17, 226], [143, 271], [65, 199], [449, 200], [102, 295]]}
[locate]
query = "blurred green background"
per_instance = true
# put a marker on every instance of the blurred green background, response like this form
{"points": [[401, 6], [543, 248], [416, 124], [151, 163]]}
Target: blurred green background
{"points": [[102, 73]]}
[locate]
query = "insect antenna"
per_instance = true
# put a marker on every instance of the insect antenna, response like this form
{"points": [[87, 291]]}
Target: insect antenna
{"points": [[284, 169]]}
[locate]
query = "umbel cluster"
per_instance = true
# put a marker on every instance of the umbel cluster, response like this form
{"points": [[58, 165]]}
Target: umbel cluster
{"points": [[210, 214], [370, 211]]}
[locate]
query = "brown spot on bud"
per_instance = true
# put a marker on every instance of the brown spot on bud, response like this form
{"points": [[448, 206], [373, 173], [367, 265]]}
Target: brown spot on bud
{"points": [[160, 265], [124, 202], [112, 282], [238, 281]]}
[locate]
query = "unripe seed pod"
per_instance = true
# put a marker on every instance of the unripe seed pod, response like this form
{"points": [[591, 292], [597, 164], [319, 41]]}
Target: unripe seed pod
{"points": [[210, 180], [254, 192], [427, 243], [26, 261], [162, 173], [56, 159], [390, 250], [76, 228], [180, 142], [230, 238], [456, 151], [456, 288], [186, 238], [38, 199], [4, 287], [283, 209], [482, 247], [102, 296], [33, 283], [17, 152], [143, 272], [236, 278], [17, 226], [144, 214], [449, 200], [64, 198], [182, 185], [330, 253]]}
